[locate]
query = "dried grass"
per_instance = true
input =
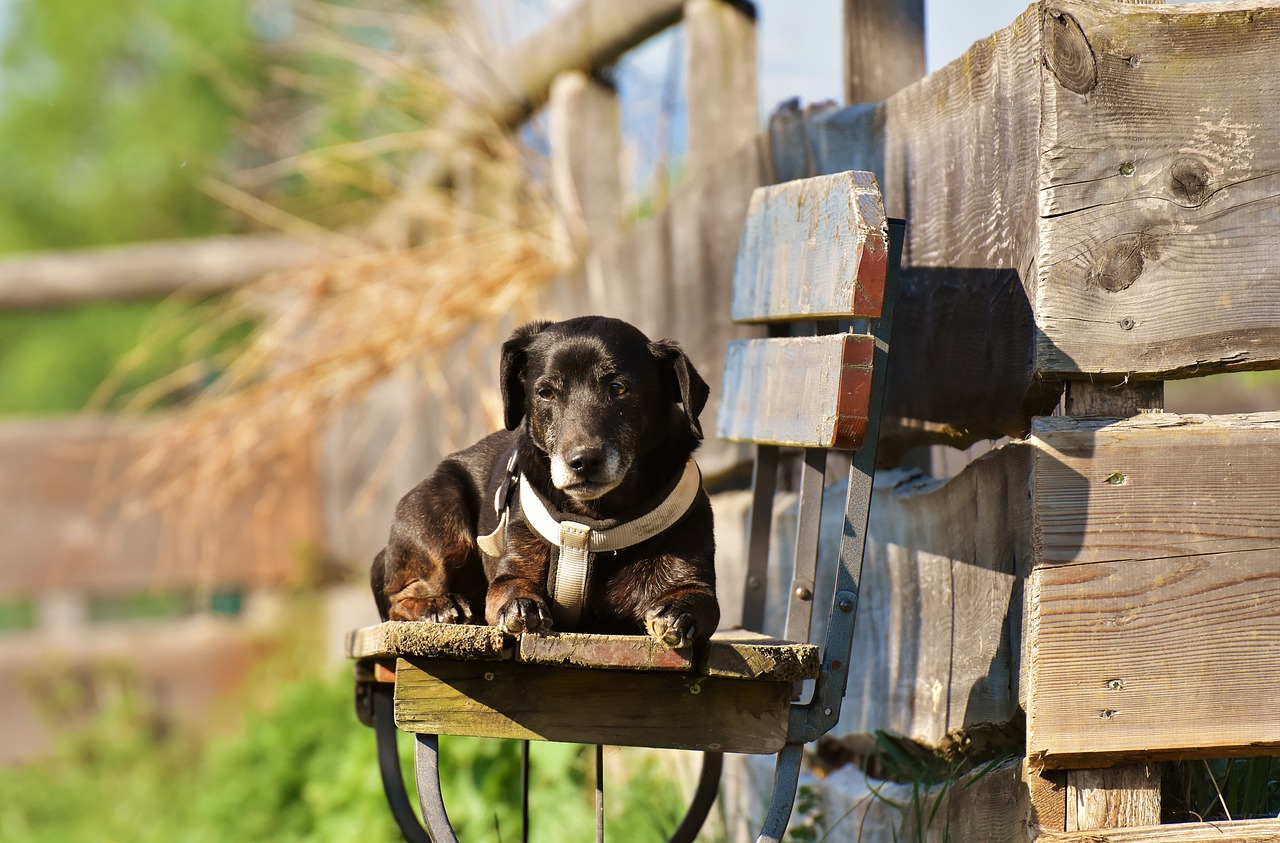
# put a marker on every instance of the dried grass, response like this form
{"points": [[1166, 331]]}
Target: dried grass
{"points": [[331, 331]]}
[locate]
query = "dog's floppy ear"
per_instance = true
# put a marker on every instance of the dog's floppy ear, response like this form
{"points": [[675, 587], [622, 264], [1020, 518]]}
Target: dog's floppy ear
{"points": [[684, 384], [512, 372]]}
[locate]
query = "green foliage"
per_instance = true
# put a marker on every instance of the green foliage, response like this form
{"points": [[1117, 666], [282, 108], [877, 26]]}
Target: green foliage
{"points": [[1225, 788], [54, 361], [299, 768], [113, 111]]}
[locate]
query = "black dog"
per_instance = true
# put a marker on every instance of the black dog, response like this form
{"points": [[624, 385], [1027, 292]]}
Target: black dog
{"points": [[601, 425]]}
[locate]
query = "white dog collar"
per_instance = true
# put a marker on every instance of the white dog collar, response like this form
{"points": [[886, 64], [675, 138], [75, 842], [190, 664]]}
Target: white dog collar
{"points": [[577, 542]]}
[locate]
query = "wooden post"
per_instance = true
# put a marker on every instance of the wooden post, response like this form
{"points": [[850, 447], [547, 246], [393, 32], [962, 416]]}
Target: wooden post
{"points": [[586, 150], [1118, 797], [724, 112], [883, 47]]}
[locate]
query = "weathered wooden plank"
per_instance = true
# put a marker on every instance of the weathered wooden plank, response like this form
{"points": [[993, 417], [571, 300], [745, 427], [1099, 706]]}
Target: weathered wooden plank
{"points": [[1155, 485], [734, 653], [939, 612], [1115, 797], [801, 391], [63, 525], [584, 124], [956, 156], [1159, 187], [1048, 794], [192, 268], [983, 806], [1239, 831], [721, 78], [883, 47], [423, 639], [1053, 233], [1115, 399], [813, 249], [642, 708], [1155, 658]]}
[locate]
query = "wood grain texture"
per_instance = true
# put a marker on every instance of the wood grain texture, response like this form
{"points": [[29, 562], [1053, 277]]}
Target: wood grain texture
{"points": [[956, 156], [1154, 658], [1115, 797], [1159, 189], [939, 612], [982, 806], [883, 47], [1112, 398], [64, 527], [813, 248], [1240, 831], [584, 124], [798, 391], [428, 640], [1087, 192], [654, 709], [734, 653], [721, 79], [1155, 485]]}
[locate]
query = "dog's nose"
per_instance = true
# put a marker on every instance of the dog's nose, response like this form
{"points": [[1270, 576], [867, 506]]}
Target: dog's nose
{"points": [[585, 461]]}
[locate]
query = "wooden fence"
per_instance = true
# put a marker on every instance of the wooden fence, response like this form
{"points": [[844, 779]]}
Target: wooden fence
{"points": [[1092, 206]]}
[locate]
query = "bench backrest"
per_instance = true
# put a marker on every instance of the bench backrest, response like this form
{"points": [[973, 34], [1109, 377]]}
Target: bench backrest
{"points": [[812, 266]]}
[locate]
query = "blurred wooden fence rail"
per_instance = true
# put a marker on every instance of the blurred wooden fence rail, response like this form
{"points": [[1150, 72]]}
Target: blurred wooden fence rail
{"points": [[1092, 200]]}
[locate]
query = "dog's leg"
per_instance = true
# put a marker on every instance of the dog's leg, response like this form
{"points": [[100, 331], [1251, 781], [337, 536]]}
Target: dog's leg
{"points": [[431, 568], [517, 599]]}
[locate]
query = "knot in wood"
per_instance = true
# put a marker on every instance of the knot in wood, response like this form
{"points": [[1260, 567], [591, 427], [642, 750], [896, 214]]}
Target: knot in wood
{"points": [[1122, 260], [1189, 182], [1068, 53]]}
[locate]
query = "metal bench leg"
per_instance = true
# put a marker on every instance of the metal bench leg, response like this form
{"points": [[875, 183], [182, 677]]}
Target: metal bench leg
{"points": [[384, 728], [524, 792], [786, 776], [427, 764], [704, 796]]}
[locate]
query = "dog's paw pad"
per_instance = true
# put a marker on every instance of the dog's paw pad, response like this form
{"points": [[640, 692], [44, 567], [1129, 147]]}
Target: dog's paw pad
{"points": [[672, 628], [446, 608], [523, 615]]}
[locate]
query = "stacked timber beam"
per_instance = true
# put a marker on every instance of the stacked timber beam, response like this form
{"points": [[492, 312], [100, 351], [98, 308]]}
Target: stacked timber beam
{"points": [[1092, 203]]}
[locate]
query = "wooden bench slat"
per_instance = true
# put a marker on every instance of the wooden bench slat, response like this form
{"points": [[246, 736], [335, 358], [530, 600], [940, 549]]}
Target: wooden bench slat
{"points": [[428, 640], [732, 654], [641, 708], [811, 392], [812, 248]]}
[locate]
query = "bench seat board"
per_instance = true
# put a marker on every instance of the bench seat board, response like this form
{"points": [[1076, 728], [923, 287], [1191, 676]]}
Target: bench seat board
{"points": [[733, 654], [428, 640], [640, 708]]}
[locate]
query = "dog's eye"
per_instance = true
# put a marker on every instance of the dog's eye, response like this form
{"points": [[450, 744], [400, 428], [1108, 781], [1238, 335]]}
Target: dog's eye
{"points": [[616, 388], [546, 393]]}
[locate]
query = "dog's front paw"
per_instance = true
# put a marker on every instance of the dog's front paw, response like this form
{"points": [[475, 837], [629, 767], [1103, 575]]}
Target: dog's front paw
{"points": [[671, 627], [523, 614], [444, 608]]}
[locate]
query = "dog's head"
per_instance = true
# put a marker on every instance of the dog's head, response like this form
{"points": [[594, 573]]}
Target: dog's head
{"points": [[595, 393]]}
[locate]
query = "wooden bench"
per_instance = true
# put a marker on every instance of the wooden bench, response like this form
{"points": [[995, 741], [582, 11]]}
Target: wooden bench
{"points": [[815, 256]]}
